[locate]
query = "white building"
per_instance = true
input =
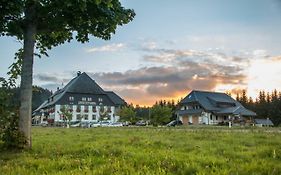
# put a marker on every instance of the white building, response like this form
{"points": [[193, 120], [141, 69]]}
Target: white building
{"points": [[211, 108], [84, 98]]}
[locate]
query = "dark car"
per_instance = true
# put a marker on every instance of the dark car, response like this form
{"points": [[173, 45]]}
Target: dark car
{"points": [[174, 123]]}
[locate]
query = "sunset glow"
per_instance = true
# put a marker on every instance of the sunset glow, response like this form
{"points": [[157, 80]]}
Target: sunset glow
{"points": [[264, 75]]}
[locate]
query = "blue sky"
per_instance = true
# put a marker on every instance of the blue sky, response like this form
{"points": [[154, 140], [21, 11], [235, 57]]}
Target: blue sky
{"points": [[172, 47]]}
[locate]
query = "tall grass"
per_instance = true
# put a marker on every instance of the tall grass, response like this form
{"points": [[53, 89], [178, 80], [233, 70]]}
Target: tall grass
{"points": [[192, 150]]}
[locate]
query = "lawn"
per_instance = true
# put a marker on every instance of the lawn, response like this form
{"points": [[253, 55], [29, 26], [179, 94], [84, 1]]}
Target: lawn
{"points": [[128, 150]]}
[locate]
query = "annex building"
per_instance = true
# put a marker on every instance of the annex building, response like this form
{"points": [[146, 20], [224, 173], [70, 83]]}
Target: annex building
{"points": [[202, 107], [84, 98]]}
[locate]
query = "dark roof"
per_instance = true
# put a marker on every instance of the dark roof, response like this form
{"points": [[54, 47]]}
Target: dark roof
{"points": [[216, 102], [263, 121], [82, 84], [236, 111], [115, 98]]}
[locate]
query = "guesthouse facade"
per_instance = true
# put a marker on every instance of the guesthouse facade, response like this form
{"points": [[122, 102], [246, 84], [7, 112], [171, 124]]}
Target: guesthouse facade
{"points": [[211, 108], [84, 99]]}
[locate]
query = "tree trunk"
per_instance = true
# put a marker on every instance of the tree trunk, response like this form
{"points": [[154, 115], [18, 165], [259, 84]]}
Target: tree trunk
{"points": [[26, 76]]}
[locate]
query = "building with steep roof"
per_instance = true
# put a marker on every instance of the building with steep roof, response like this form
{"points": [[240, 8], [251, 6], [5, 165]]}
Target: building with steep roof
{"points": [[202, 107], [84, 98]]}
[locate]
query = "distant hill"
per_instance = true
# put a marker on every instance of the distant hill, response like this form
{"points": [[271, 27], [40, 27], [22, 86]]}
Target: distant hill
{"points": [[38, 97]]}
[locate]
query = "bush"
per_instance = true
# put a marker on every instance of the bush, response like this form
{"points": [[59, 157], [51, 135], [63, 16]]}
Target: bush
{"points": [[11, 137]]}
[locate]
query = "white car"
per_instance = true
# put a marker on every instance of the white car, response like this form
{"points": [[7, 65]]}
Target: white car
{"points": [[95, 124], [75, 124], [104, 123], [44, 123], [116, 124]]}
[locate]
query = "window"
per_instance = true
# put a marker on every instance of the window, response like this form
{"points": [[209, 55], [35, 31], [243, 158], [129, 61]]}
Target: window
{"points": [[86, 109], [85, 116], [224, 117], [89, 98], [94, 117], [61, 117], [100, 99], [211, 117], [84, 99], [78, 109], [94, 109], [71, 98], [78, 117], [217, 117]]}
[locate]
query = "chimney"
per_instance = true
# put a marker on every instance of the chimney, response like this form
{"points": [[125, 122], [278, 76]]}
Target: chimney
{"points": [[78, 73], [58, 88]]}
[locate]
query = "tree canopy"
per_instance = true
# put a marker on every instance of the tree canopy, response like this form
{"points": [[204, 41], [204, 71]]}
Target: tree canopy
{"points": [[160, 115], [43, 24], [56, 20], [127, 113]]}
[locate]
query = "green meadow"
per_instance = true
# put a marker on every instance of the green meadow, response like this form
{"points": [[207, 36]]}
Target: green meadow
{"points": [[148, 150]]}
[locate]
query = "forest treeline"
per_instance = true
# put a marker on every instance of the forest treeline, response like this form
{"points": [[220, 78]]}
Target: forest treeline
{"points": [[39, 95], [266, 105]]}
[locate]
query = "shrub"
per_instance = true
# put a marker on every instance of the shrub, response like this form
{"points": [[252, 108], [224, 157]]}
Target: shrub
{"points": [[9, 116], [11, 137]]}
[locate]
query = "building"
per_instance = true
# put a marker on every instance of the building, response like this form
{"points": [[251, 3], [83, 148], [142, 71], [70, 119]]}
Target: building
{"points": [[263, 122], [84, 98], [201, 107]]}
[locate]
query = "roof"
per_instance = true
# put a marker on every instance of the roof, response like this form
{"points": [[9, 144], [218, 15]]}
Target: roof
{"points": [[82, 84], [115, 98], [216, 102], [263, 121], [237, 110]]}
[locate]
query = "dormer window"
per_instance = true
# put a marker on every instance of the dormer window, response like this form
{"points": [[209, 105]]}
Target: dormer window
{"points": [[71, 98], [100, 99], [84, 99], [89, 99]]}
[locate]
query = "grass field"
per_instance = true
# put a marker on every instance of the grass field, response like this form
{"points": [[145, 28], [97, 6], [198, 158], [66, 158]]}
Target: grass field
{"points": [[147, 151]]}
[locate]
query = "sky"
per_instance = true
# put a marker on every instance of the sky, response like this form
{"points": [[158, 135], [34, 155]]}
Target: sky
{"points": [[171, 48]]}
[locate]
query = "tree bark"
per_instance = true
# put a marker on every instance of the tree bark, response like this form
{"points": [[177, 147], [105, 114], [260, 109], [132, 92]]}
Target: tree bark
{"points": [[26, 76]]}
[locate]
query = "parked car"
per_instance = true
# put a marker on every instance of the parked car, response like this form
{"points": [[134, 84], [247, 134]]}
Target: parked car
{"points": [[44, 123], [104, 123], [126, 123], [85, 124], [116, 124], [174, 123], [95, 124], [141, 123], [75, 124]]}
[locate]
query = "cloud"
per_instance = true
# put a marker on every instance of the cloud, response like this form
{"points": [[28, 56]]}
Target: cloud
{"points": [[52, 77], [184, 70], [169, 82], [173, 74], [107, 48], [149, 45]]}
